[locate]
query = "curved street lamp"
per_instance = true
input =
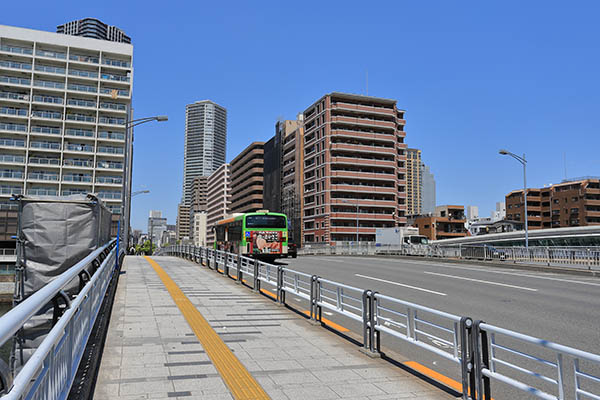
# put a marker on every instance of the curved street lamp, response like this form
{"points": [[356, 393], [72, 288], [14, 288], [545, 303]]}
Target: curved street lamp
{"points": [[523, 161], [128, 162]]}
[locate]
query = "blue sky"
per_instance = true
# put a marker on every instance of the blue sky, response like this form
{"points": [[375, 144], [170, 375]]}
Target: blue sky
{"points": [[473, 76]]}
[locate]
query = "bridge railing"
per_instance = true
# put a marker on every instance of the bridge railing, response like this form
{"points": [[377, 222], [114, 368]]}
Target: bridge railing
{"points": [[481, 353], [586, 257], [50, 371]]}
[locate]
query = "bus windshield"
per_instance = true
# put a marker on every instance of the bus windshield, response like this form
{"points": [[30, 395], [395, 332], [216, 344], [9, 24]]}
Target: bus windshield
{"points": [[265, 221]]}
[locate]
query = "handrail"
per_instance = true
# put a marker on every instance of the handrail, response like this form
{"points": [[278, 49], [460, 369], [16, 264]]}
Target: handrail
{"points": [[13, 320]]}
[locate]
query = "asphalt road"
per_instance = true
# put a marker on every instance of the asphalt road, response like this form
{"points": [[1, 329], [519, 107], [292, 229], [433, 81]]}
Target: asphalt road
{"points": [[561, 308]]}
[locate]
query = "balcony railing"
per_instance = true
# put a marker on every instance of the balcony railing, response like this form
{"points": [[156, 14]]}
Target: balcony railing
{"points": [[13, 111], [85, 59], [70, 162], [77, 178], [11, 190], [79, 147], [111, 135], [42, 192], [110, 150], [17, 49], [40, 176], [83, 74], [45, 145], [110, 165], [116, 63], [49, 84], [81, 103], [82, 88], [115, 77], [46, 129], [110, 195], [113, 106], [11, 158], [117, 180], [15, 65], [17, 81], [44, 161], [79, 132], [111, 121], [81, 118], [48, 99], [50, 69], [13, 127], [46, 114], [110, 91], [51, 54], [11, 174], [12, 142], [14, 96]]}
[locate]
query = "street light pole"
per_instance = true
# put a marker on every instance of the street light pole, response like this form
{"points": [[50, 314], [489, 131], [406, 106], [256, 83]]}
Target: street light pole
{"points": [[523, 161], [127, 170]]}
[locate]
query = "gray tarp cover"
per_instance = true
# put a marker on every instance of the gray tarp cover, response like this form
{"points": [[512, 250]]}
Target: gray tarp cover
{"points": [[55, 233]]}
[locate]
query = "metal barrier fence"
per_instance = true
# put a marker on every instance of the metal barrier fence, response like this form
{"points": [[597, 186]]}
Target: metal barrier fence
{"points": [[50, 371], [478, 350], [576, 257]]}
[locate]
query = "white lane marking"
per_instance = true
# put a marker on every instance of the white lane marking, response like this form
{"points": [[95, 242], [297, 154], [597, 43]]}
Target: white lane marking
{"points": [[401, 284], [506, 273], [481, 281], [329, 259], [327, 313]]}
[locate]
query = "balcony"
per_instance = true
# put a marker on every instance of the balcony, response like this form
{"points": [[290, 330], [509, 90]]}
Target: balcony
{"points": [[113, 106], [79, 147], [81, 103], [109, 195], [114, 92], [81, 118], [84, 59], [42, 176], [79, 132], [14, 112], [109, 180], [49, 84], [6, 190], [15, 65], [11, 159], [42, 192], [46, 114], [48, 99], [45, 145], [83, 74], [44, 161], [111, 121], [82, 88], [10, 127], [363, 188], [340, 105], [363, 121], [78, 163], [28, 51], [15, 81], [45, 130], [14, 96], [115, 77], [51, 54], [109, 165], [116, 63], [363, 148], [110, 150], [362, 161], [11, 174], [12, 142], [111, 135], [48, 69], [77, 178]]}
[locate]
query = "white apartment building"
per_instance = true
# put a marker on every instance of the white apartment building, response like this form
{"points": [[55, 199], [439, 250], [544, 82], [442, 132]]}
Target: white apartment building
{"points": [[64, 102], [199, 228]]}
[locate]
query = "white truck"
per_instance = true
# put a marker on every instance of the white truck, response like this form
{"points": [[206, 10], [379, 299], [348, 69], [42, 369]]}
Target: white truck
{"points": [[389, 237]]}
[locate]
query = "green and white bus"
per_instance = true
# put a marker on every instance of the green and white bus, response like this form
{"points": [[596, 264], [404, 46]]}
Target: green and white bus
{"points": [[260, 234]]}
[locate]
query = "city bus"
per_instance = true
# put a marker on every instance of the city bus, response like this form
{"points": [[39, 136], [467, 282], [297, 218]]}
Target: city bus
{"points": [[260, 234]]}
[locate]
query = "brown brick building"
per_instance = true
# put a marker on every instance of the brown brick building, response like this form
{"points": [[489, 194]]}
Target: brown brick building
{"points": [[247, 179], [570, 203], [447, 223], [354, 160]]}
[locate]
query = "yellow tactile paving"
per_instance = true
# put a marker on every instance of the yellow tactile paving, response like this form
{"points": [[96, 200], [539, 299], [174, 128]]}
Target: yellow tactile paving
{"points": [[241, 384]]}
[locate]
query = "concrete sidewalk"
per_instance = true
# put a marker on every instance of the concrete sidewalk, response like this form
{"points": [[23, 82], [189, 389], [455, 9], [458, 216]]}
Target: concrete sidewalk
{"points": [[152, 352]]}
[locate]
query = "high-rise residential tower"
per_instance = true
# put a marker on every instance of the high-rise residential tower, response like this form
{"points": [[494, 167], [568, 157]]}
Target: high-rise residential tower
{"points": [[205, 142], [428, 191], [354, 168], [218, 199], [93, 28], [414, 182], [64, 102]]}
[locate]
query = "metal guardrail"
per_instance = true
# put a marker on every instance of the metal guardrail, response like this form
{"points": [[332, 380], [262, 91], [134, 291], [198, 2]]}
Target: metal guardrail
{"points": [[475, 348], [51, 369], [575, 257]]}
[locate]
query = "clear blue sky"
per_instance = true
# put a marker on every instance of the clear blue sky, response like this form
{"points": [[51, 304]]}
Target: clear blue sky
{"points": [[473, 77]]}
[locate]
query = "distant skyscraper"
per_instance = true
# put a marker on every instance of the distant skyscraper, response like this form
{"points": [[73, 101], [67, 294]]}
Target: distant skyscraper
{"points": [[472, 212], [428, 191], [93, 28], [414, 182], [156, 226], [205, 143]]}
